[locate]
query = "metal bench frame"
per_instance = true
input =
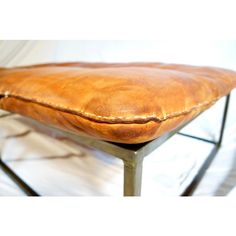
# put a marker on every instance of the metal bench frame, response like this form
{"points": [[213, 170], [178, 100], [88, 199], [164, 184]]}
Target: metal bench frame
{"points": [[132, 155]]}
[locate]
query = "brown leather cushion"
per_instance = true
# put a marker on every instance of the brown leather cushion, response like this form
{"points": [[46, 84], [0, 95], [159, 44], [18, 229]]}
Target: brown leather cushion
{"points": [[126, 103]]}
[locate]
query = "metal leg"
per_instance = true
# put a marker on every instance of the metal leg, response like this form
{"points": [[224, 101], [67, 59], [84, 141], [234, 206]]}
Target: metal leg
{"points": [[13, 176], [17, 180], [190, 189], [223, 120], [132, 178]]}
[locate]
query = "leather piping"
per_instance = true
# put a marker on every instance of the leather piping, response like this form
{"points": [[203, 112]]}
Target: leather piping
{"points": [[109, 120]]}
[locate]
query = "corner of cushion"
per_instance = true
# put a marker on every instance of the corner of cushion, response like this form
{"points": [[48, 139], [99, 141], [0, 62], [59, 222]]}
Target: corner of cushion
{"points": [[2, 69]]}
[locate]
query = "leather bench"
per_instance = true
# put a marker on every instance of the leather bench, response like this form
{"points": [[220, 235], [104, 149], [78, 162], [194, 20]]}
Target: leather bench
{"points": [[116, 105]]}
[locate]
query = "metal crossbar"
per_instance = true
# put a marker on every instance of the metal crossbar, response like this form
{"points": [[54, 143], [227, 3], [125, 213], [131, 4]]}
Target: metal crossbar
{"points": [[131, 154], [20, 183]]}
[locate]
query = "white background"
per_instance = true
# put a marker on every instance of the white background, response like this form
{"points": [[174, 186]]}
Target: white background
{"points": [[221, 53]]}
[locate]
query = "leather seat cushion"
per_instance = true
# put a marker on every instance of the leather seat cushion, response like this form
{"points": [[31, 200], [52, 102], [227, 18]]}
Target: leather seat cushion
{"points": [[125, 103]]}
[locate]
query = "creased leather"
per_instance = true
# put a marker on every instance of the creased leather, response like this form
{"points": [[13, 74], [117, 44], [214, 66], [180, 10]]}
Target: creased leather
{"points": [[119, 102]]}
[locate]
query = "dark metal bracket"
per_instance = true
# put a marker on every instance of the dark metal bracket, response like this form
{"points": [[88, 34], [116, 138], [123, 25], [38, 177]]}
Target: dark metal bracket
{"points": [[132, 155]]}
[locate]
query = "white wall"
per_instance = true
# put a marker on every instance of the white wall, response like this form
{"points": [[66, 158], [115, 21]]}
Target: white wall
{"points": [[214, 53]]}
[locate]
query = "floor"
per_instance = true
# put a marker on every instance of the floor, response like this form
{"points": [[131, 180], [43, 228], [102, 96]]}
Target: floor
{"points": [[56, 166]]}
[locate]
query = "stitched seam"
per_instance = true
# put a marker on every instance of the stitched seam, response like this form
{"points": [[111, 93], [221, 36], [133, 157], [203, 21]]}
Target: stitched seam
{"points": [[107, 119]]}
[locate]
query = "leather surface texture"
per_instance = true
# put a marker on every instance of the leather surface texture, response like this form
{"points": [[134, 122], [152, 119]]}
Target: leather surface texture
{"points": [[118, 102]]}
